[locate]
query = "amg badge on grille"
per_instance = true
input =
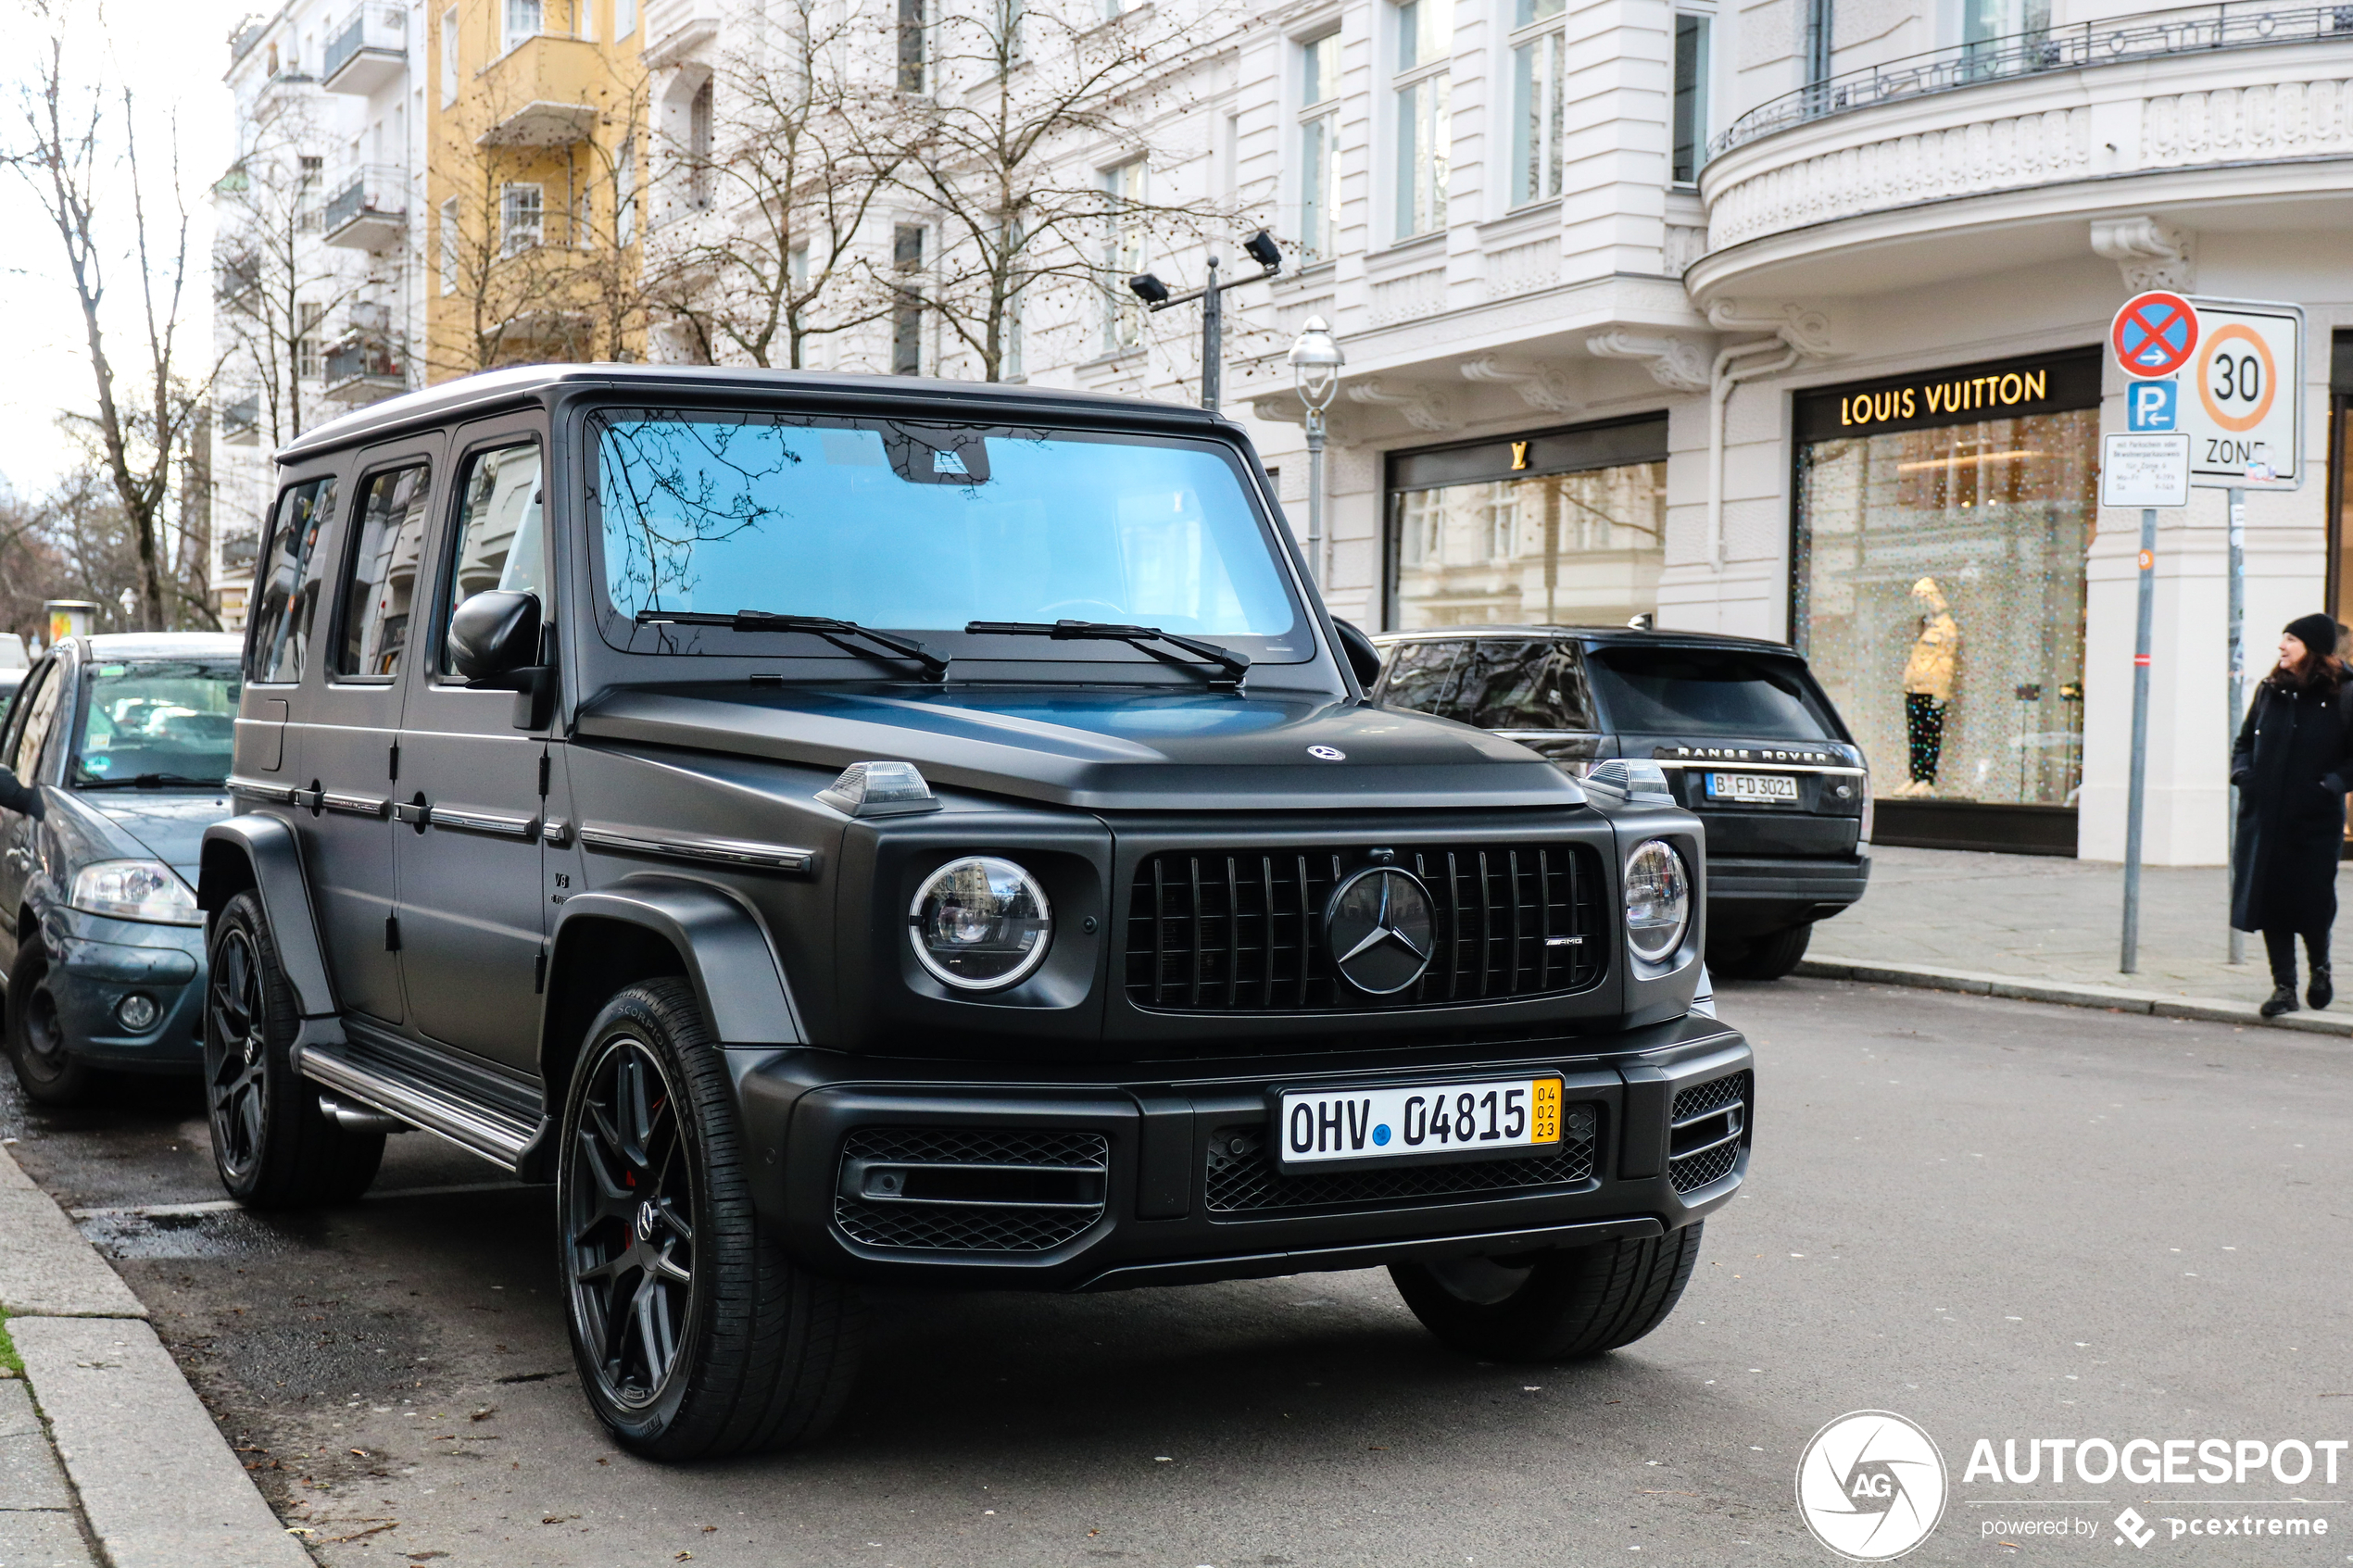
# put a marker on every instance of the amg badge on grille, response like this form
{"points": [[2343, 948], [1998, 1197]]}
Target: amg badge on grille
{"points": [[1382, 929]]}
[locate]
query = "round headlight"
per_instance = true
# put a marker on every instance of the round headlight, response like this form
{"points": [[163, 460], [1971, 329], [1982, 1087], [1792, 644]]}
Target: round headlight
{"points": [[980, 924], [1658, 900]]}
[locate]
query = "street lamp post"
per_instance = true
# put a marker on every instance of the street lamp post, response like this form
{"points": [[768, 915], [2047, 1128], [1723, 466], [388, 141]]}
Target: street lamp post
{"points": [[1260, 247], [1316, 360]]}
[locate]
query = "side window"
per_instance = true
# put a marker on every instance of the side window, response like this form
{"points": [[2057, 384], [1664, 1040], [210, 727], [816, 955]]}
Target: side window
{"points": [[500, 542], [380, 583], [1523, 685], [29, 697], [24, 757], [1420, 678], [288, 595]]}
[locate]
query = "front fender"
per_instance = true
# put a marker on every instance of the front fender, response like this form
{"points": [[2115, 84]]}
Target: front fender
{"points": [[722, 946], [261, 852]]}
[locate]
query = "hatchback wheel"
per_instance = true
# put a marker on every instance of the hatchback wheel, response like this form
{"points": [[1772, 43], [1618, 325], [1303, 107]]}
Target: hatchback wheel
{"points": [[695, 1335], [45, 1065]]}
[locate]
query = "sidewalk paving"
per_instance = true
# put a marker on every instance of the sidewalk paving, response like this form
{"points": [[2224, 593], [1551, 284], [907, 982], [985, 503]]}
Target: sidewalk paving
{"points": [[2049, 929]]}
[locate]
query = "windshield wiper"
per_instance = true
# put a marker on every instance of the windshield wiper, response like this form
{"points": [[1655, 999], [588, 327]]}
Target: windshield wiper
{"points": [[835, 631], [1236, 666], [148, 781]]}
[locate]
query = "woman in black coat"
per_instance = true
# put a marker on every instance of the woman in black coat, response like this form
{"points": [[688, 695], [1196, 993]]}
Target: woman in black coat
{"points": [[2292, 765]]}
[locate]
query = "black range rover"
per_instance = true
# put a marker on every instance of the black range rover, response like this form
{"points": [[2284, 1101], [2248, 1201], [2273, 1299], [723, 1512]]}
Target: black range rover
{"points": [[1746, 736], [844, 829]]}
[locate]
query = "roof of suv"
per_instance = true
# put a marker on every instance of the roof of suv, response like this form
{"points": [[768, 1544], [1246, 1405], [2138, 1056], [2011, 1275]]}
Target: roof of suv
{"points": [[489, 390], [1620, 635], [162, 645]]}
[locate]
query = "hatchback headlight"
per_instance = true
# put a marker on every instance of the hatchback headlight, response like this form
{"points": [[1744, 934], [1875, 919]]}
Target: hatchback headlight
{"points": [[1658, 900], [980, 924], [136, 890]]}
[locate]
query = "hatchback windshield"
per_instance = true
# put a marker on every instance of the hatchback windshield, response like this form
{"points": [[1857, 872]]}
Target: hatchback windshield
{"points": [[156, 722], [1703, 691], [927, 528]]}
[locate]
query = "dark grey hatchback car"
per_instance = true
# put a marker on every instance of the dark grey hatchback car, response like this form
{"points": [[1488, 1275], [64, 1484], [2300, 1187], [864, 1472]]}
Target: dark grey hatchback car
{"points": [[849, 829]]}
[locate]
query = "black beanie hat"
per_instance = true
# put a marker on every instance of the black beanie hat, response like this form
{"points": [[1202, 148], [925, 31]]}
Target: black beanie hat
{"points": [[2317, 632]]}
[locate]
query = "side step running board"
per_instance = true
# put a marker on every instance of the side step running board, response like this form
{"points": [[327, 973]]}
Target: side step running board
{"points": [[495, 1135]]}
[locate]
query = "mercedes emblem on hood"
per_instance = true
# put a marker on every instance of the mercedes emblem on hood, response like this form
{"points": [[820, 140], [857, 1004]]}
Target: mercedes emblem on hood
{"points": [[1328, 753], [1382, 930]]}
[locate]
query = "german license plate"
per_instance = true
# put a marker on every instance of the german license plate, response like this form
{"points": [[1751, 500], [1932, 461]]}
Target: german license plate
{"points": [[1779, 789], [1420, 1120]]}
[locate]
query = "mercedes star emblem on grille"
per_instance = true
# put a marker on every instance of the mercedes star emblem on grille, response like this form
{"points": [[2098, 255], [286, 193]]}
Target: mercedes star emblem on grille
{"points": [[1328, 753], [1381, 929]]}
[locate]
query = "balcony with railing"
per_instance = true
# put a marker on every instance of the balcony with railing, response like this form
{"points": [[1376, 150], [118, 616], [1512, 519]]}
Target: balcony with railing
{"points": [[1892, 175], [235, 278], [369, 208], [369, 51], [367, 363], [241, 421], [543, 92]]}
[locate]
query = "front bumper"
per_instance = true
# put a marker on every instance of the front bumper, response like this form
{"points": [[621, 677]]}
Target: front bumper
{"points": [[1089, 1185], [96, 962]]}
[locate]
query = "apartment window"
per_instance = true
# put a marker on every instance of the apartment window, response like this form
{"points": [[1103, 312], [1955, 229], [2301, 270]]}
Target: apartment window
{"points": [[1540, 61], [624, 18], [308, 314], [1692, 29], [913, 49], [525, 18], [1425, 39], [522, 220], [307, 213], [796, 269], [699, 147], [907, 313], [449, 245], [624, 194], [1123, 257], [1318, 141], [448, 56]]}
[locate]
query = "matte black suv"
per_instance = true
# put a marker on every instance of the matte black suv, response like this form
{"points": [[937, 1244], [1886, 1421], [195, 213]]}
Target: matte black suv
{"points": [[848, 829], [1745, 734]]}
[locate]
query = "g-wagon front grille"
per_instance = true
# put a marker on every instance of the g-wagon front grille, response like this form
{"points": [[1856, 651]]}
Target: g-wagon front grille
{"points": [[1243, 1178], [970, 1189], [1243, 930], [1705, 1130]]}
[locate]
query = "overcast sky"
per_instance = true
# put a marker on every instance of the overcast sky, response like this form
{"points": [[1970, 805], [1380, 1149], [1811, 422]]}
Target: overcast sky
{"points": [[170, 54]]}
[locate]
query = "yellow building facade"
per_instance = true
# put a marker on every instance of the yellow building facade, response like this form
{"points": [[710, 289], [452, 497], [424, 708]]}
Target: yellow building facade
{"points": [[536, 148]]}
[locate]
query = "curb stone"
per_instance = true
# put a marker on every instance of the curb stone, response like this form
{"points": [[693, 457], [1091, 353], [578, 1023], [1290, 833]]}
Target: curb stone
{"points": [[156, 1482], [2115, 998]]}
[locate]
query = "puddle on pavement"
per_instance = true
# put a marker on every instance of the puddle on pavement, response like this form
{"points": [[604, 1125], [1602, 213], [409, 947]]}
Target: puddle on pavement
{"points": [[229, 1234]]}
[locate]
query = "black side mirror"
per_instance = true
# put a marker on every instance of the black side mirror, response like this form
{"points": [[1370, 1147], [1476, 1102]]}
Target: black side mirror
{"points": [[493, 636], [1363, 656]]}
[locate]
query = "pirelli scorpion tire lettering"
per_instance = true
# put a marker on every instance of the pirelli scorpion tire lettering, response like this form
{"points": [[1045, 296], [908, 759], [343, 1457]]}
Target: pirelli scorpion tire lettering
{"points": [[695, 1337], [1553, 1306], [273, 1145]]}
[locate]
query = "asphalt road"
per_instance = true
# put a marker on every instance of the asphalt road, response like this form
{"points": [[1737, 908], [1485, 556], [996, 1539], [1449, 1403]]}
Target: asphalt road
{"points": [[1998, 1219]]}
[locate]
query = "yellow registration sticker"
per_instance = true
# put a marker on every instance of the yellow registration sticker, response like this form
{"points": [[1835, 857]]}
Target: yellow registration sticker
{"points": [[1544, 1110]]}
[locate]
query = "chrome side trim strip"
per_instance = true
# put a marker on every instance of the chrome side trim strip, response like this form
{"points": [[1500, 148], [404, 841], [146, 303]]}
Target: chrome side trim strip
{"points": [[358, 804], [708, 851], [1757, 767], [496, 824], [283, 795], [492, 1137]]}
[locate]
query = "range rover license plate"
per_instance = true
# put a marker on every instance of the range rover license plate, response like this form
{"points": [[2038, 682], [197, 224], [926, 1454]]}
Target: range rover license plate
{"points": [[1417, 1121], [1779, 789]]}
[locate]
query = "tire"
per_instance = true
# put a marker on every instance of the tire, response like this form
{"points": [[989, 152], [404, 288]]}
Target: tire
{"points": [[1553, 1306], [272, 1144], [46, 1067], [1770, 957], [695, 1337]]}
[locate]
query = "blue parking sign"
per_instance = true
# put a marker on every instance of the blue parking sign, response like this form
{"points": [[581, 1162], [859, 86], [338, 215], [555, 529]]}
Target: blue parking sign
{"points": [[2148, 405]]}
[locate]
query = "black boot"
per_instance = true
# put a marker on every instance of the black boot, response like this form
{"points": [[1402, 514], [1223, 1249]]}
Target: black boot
{"points": [[2282, 1000], [2320, 993]]}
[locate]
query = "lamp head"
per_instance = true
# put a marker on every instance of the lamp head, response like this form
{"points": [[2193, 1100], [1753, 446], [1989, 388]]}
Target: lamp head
{"points": [[1261, 247], [1316, 360], [1149, 289]]}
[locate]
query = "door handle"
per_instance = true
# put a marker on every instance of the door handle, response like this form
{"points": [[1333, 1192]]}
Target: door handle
{"points": [[416, 813]]}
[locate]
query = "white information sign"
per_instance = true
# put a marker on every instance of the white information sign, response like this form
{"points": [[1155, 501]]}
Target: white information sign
{"points": [[2145, 470], [2242, 396]]}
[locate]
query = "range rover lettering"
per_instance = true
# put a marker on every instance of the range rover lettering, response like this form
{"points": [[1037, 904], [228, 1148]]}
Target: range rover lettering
{"points": [[851, 830]]}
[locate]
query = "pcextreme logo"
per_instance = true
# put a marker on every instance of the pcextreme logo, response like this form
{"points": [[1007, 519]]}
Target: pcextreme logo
{"points": [[1872, 1486]]}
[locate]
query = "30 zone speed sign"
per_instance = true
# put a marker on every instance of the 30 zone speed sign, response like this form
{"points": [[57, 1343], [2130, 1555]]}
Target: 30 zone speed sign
{"points": [[2242, 405]]}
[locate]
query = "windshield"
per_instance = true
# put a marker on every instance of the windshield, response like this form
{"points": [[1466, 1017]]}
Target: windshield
{"points": [[926, 528], [1703, 692], [156, 721]]}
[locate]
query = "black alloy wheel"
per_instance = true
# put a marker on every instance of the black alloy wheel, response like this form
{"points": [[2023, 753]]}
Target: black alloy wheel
{"points": [[629, 1223], [46, 1067], [273, 1145]]}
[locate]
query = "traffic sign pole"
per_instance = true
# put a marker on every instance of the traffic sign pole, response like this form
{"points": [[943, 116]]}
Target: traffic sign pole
{"points": [[2138, 799], [2237, 499]]}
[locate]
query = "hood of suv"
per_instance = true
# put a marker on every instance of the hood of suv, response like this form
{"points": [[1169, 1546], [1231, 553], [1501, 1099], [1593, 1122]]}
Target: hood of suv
{"points": [[1111, 751]]}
